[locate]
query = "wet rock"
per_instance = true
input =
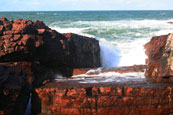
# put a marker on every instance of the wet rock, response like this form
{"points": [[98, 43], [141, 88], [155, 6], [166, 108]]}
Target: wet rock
{"points": [[160, 64]]}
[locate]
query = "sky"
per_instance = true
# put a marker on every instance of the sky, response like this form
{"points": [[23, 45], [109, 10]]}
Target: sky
{"points": [[68, 5]]}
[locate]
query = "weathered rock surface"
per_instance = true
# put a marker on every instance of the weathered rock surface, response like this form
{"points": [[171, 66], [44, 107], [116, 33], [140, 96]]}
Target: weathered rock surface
{"points": [[33, 41], [160, 58], [117, 94], [14, 91], [33, 46], [25, 40], [112, 98]]}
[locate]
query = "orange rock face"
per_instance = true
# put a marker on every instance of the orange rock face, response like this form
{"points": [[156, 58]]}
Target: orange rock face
{"points": [[160, 64], [106, 99]]}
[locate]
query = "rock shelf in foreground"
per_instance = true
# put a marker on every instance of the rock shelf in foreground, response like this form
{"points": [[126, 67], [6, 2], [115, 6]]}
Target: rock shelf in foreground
{"points": [[93, 94], [112, 98]]}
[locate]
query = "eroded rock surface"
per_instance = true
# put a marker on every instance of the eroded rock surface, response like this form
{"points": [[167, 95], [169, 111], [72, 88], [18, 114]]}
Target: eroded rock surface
{"points": [[160, 58], [110, 98], [25, 40], [106, 91]]}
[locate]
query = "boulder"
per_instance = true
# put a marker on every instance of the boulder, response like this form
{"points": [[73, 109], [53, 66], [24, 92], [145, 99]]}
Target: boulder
{"points": [[160, 58], [84, 51]]}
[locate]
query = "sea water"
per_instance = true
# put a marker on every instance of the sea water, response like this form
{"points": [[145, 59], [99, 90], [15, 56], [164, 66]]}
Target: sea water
{"points": [[121, 34]]}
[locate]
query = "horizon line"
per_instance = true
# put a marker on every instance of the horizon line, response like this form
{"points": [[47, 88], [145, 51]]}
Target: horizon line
{"points": [[79, 10]]}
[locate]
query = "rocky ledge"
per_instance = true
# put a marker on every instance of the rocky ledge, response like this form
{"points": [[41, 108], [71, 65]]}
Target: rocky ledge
{"points": [[106, 91], [132, 97]]}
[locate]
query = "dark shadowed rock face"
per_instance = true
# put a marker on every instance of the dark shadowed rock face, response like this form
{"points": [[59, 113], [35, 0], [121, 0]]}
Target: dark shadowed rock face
{"points": [[14, 91], [160, 58], [84, 51]]}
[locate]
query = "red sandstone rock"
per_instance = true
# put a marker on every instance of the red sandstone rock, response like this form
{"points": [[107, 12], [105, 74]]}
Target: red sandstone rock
{"points": [[24, 40], [106, 99], [160, 63]]}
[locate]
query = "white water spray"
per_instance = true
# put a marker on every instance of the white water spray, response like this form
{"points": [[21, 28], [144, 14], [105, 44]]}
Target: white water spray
{"points": [[109, 54]]}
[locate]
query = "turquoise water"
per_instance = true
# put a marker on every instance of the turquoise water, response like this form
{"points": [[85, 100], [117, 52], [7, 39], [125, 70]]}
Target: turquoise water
{"points": [[122, 34]]}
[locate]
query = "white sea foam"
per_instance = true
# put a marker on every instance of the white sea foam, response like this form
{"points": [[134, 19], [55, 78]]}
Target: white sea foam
{"points": [[132, 52], [68, 30], [109, 54], [110, 77], [105, 77]]}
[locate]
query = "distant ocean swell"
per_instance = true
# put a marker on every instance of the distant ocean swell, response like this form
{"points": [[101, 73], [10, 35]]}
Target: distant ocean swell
{"points": [[122, 41]]}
